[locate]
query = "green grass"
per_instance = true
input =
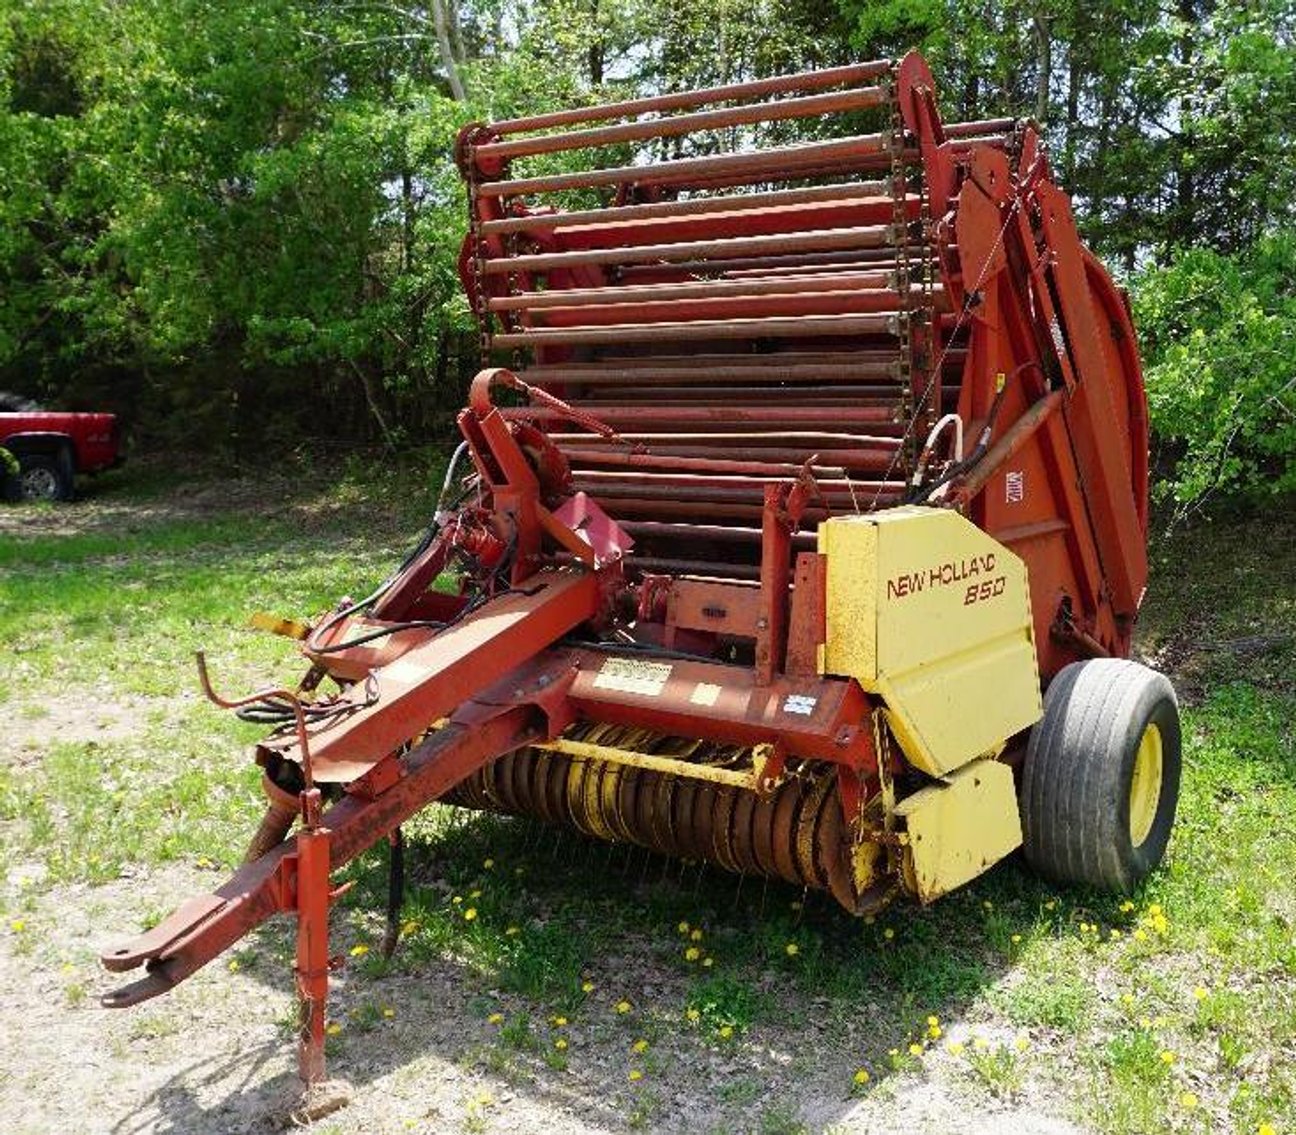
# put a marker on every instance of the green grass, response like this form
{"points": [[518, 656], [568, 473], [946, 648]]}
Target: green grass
{"points": [[1200, 964]]}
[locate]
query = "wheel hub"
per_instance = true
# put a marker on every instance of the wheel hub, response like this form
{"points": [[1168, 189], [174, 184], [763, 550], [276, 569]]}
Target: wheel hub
{"points": [[39, 484], [1145, 784]]}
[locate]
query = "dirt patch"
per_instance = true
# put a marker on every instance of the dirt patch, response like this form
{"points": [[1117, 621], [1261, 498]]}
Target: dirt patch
{"points": [[216, 1055], [76, 716]]}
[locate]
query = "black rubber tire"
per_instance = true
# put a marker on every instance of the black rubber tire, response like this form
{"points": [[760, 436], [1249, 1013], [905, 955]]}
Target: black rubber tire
{"points": [[45, 478], [1075, 794]]}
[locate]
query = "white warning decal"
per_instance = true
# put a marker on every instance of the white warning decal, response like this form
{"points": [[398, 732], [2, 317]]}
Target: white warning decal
{"points": [[1015, 486], [800, 703], [632, 676], [704, 693]]}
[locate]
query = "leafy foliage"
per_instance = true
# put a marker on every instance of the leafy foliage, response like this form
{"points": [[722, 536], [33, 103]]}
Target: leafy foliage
{"points": [[237, 221], [1219, 337]]}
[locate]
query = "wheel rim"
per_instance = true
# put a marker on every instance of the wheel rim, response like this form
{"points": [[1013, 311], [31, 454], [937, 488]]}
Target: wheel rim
{"points": [[39, 484], [1145, 784]]}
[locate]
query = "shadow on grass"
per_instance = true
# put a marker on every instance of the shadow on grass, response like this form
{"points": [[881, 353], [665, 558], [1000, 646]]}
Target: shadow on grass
{"points": [[511, 926]]}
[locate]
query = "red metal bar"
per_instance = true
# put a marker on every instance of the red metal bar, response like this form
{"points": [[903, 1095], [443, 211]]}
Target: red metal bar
{"points": [[429, 680], [880, 282], [807, 327], [732, 417], [757, 88], [206, 927], [862, 152], [312, 942], [871, 236], [668, 127], [691, 206]]}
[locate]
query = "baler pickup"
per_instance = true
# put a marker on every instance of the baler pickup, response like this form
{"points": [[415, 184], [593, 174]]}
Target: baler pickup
{"points": [[807, 537]]}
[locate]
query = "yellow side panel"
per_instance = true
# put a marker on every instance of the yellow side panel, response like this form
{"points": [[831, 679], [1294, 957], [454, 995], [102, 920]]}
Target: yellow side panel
{"points": [[959, 828], [927, 611]]}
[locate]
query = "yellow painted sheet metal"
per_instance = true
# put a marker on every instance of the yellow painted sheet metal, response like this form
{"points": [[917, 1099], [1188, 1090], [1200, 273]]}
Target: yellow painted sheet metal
{"points": [[927, 611], [957, 828]]}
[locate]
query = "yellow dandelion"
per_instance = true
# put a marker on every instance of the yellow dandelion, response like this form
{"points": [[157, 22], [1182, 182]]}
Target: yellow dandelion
{"points": [[639, 1046], [726, 1031], [334, 1027], [475, 895], [987, 904], [1113, 934], [487, 864], [693, 1015], [561, 1044], [470, 914], [934, 1031], [1201, 993], [1167, 1057], [933, 1021], [513, 931], [1021, 1044], [1126, 907], [623, 1007], [1188, 1100], [692, 954], [683, 928], [1154, 909], [359, 951], [792, 949], [1145, 1022], [954, 1048], [1084, 928], [1050, 904], [560, 1022], [861, 1076], [485, 1099], [696, 935], [495, 1019], [915, 1050], [234, 965], [1016, 939], [1266, 1129], [888, 933], [708, 961], [1140, 935], [457, 899], [587, 987], [1127, 999], [410, 927], [388, 1012], [634, 1074], [980, 1043]]}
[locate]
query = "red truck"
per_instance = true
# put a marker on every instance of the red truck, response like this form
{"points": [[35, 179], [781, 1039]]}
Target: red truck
{"points": [[52, 447]]}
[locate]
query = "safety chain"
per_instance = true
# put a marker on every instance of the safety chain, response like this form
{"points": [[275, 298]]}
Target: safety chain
{"points": [[900, 231], [480, 298]]}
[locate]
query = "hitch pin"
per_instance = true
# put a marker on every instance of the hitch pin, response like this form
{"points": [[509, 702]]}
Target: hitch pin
{"points": [[262, 696]]}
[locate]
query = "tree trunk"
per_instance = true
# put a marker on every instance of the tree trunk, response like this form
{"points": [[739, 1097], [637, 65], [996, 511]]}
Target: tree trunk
{"points": [[1043, 66], [447, 51], [1070, 144]]}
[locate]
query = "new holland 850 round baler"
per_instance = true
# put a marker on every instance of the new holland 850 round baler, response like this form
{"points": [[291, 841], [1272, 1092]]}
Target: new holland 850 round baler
{"points": [[805, 533]]}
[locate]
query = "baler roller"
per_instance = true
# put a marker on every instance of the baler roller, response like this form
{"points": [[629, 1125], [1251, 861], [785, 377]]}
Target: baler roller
{"points": [[795, 831], [710, 205]]}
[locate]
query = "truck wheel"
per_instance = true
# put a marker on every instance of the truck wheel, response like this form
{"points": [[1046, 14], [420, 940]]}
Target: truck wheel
{"points": [[1101, 777], [44, 478]]}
